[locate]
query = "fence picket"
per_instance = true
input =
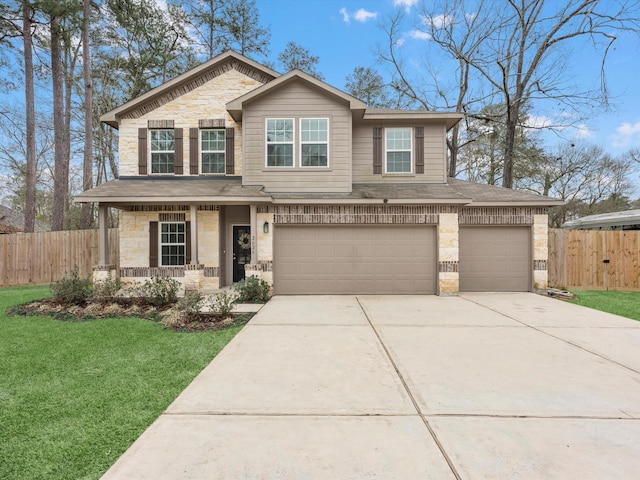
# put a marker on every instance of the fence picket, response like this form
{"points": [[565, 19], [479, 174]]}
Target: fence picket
{"points": [[43, 257]]}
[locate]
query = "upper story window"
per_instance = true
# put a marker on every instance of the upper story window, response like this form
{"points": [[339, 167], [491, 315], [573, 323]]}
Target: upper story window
{"points": [[212, 151], [162, 151], [172, 243], [280, 138], [398, 150], [314, 142]]}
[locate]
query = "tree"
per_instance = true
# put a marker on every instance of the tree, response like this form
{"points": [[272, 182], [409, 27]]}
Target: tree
{"points": [[516, 54], [583, 176], [295, 56], [368, 85], [246, 36], [30, 181], [207, 19], [87, 171]]}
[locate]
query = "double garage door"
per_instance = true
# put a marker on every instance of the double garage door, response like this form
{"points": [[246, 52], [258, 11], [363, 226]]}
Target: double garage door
{"points": [[398, 259], [355, 259]]}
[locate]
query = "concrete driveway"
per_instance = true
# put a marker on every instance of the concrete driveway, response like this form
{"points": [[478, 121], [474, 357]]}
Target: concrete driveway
{"points": [[407, 387]]}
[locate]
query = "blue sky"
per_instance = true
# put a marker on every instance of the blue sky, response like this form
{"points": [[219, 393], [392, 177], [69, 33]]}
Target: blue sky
{"points": [[345, 33]]}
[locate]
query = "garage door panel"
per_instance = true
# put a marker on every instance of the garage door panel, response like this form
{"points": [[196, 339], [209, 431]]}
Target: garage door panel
{"points": [[495, 258], [355, 259]]}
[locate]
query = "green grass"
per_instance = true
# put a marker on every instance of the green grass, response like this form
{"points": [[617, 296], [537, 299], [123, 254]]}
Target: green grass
{"points": [[626, 304], [75, 395]]}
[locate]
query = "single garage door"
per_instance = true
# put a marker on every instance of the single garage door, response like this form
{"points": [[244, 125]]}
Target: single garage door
{"points": [[495, 259], [354, 259]]}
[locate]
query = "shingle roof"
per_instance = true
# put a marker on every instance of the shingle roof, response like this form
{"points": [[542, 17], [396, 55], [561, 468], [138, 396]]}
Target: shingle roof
{"points": [[12, 221], [226, 189], [185, 189]]}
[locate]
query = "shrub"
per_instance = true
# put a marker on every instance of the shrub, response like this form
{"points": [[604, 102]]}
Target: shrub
{"points": [[221, 303], [190, 305], [106, 290], [160, 291], [252, 290], [71, 290]]}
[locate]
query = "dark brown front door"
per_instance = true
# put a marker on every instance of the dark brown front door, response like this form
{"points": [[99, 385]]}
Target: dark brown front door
{"points": [[241, 250]]}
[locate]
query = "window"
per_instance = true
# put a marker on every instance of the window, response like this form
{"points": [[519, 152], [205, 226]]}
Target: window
{"points": [[280, 142], [398, 150], [314, 142], [212, 149], [172, 244], [162, 151]]}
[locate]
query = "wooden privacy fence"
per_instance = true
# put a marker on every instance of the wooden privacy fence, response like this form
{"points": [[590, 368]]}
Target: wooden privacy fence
{"points": [[594, 259], [44, 257]]}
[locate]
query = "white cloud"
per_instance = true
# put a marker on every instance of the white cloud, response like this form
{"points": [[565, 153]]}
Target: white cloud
{"points": [[406, 4], [583, 131], [363, 15], [345, 15], [419, 35], [438, 21], [536, 121], [627, 134], [399, 42]]}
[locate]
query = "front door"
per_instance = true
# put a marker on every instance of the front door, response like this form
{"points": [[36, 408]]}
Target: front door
{"points": [[241, 250]]}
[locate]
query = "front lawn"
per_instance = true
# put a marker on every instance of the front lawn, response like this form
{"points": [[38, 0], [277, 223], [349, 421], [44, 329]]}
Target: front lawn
{"points": [[626, 304], [75, 395]]}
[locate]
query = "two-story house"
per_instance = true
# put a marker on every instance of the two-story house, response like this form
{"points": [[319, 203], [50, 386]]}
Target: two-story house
{"points": [[232, 169]]}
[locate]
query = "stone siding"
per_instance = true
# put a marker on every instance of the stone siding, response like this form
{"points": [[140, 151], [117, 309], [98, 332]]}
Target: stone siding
{"points": [[204, 102]]}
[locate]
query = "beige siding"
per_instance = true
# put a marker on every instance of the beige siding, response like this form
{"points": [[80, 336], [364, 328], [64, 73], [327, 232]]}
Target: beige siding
{"points": [[298, 100], [435, 156], [207, 101]]}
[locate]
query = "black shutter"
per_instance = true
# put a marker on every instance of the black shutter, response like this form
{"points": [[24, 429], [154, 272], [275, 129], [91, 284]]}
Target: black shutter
{"points": [[377, 150], [142, 151], [193, 151], [419, 149], [153, 244], [187, 239], [179, 151], [230, 149]]}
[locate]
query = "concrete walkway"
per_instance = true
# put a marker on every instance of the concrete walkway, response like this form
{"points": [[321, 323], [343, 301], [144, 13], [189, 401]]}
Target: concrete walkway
{"points": [[479, 386]]}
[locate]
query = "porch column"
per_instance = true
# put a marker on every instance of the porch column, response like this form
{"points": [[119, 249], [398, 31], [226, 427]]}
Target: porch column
{"points": [[103, 234], [194, 234], [254, 231]]}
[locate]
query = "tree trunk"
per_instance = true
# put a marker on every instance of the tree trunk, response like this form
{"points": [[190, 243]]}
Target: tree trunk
{"points": [[453, 151], [513, 112], [61, 167], [30, 187], [87, 166]]}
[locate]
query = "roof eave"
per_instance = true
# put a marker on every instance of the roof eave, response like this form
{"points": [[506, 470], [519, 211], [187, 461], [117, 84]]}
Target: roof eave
{"points": [[535, 203], [173, 200]]}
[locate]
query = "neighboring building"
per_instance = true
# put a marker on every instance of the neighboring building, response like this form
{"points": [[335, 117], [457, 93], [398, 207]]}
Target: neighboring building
{"points": [[13, 222], [233, 169], [627, 220]]}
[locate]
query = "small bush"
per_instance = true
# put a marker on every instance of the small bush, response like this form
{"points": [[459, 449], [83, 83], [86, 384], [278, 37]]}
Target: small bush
{"points": [[71, 290], [252, 290], [190, 305], [158, 291], [106, 290], [221, 303]]}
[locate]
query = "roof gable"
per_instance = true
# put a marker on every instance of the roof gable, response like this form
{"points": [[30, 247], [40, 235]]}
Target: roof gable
{"points": [[234, 107], [187, 82]]}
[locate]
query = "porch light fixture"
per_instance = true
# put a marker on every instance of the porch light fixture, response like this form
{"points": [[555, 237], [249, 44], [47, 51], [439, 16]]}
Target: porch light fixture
{"points": [[265, 227]]}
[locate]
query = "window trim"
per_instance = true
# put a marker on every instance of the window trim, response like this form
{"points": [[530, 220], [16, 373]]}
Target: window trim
{"points": [[223, 151], [387, 150], [267, 143], [151, 151], [161, 244], [301, 143]]}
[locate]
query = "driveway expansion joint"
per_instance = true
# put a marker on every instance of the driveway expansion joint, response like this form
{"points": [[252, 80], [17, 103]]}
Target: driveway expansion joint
{"points": [[410, 394]]}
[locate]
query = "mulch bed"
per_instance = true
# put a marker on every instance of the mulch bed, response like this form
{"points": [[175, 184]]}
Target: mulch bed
{"points": [[169, 317]]}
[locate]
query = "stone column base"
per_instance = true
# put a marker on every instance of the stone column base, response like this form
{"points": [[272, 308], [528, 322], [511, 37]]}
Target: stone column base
{"points": [[193, 278], [104, 272]]}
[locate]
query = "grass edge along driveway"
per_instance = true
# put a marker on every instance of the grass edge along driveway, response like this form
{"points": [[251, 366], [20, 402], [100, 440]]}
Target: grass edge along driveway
{"points": [[75, 395], [625, 304]]}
